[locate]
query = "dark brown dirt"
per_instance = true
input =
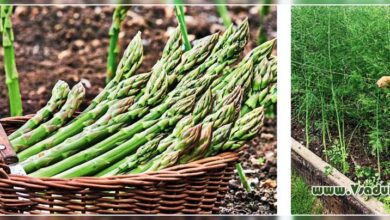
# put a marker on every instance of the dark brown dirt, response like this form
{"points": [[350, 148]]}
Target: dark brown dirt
{"points": [[357, 156], [262, 175], [70, 44]]}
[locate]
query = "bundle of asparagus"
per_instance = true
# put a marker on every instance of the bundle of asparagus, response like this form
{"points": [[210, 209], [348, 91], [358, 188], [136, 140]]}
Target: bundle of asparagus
{"points": [[190, 105]]}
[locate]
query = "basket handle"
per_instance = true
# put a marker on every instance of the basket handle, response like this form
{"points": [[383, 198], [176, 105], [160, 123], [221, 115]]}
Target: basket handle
{"points": [[7, 153]]}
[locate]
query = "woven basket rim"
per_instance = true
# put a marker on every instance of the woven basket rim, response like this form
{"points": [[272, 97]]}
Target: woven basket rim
{"points": [[173, 173]]}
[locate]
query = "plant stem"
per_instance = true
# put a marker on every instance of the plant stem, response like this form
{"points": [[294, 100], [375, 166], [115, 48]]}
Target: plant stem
{"points": [[11, 73], [323, 122], [179, 11], [378, 150], [243, 178], [264, 11], [340, 122], [223, 12], [114, 49]]}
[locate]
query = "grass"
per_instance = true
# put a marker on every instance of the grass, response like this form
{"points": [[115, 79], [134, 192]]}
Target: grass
{"points": [[338, 54], [302, 202]]}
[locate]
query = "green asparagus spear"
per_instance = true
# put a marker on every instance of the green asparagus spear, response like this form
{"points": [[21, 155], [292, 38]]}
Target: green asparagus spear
{"points": [[75, 97], [68, 133], [173, 51], [96, 164], [236, 97], [243, 179], [113, 49], [264, 79], [59, 94], [224, 115], [170, 58], [160, 109], [220, 136], [245, 129], [230, 48], [243, 78], [190, 59], [129, 87], [11, 72], [108, 144], [129, 162], [255, 56], [202, 108], [199, 148], [171, 155], [131, 60]]}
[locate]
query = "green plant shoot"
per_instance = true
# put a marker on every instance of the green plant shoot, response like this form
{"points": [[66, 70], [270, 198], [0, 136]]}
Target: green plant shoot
{"points": [[114, 49], [223, 12], [243, 179], [179, 11], [11, 73]]}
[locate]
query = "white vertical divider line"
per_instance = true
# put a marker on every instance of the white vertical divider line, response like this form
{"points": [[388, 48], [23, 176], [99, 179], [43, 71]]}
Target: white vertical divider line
{"points": [[284, 108]]}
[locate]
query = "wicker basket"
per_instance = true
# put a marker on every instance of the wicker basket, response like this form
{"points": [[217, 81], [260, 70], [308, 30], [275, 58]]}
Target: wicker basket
{"points": [[194, 188]]}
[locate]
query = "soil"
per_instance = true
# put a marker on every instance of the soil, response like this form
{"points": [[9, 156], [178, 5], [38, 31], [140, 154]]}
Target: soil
{"points": [[70, 44], [356, 156], [259, 164]]}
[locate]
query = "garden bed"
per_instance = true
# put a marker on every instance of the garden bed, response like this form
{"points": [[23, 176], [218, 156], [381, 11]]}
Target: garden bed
{"points": [[311, 168]]}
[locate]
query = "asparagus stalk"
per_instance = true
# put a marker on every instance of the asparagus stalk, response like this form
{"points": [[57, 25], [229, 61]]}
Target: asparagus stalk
{"points": [[230, 49], [223, 12], [68, 133], [245, 128], [59, 94], [264, 10], [170, 58], [226, 115], [96, 164], [131, 60], [255, 56], [202, 108], [264, 79], [193, 87], [220, 136], [179, 11], [243, 178], [194, 150], [171, 155], [200, 147], [75, 97], [242, 80], [173, 51], [11, 73], [197, 55], [129, 87], [113, 49], [116, 139], [128, 162]]}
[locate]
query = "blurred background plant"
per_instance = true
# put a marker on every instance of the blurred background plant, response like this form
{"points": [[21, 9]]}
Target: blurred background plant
{"points": [[11, 73]]}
